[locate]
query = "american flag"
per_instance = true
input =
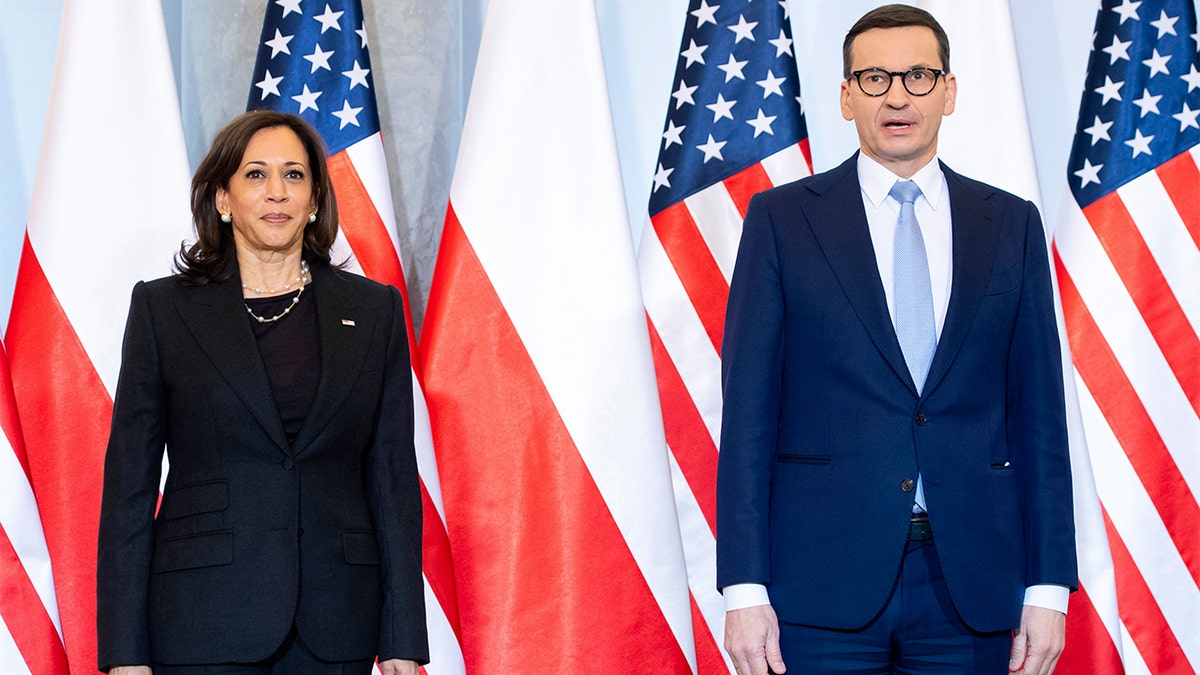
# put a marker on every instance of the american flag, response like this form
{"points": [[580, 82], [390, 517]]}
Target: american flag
{"points": [[735, 126], [313, 60], [1127, 257]]}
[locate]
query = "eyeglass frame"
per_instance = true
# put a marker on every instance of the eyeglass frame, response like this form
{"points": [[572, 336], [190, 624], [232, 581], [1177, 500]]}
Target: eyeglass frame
{"points": [[856, 75]]}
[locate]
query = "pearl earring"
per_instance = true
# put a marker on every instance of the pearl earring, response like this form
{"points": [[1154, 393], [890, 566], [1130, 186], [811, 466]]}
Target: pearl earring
{"points": [[312, 217], [226, 218]]}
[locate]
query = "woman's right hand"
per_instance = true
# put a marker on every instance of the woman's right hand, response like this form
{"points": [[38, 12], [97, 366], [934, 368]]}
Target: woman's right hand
{"points": [[130, 670]]}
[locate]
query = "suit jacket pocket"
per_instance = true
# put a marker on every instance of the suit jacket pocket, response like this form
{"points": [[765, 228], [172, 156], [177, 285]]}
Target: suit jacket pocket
{"points": [[194, 499], [794, 458], [360, 548], [1004, 281], [208, 549]]}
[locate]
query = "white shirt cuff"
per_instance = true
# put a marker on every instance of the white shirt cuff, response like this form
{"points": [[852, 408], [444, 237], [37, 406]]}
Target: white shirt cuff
{"points": [[1048, 596], [741, 596]]}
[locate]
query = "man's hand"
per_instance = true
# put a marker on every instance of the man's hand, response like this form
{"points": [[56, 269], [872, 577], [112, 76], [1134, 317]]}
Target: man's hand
{"points": [[752, 640], [129, 670], [1038, 642], [398, 667]]}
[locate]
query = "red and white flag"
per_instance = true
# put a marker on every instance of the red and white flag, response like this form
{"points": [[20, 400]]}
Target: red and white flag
{"points": [[539, 374], [314, 61], [30, 635], [735, 126], [1127, 257], [109, 207]]}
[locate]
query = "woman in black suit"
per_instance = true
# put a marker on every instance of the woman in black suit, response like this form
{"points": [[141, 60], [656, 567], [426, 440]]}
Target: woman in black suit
{"points": [[289, 534]]}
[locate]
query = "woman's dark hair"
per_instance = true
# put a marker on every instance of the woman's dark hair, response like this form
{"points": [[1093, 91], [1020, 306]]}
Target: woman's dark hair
{"points": [[896, 16], [211, 258]]}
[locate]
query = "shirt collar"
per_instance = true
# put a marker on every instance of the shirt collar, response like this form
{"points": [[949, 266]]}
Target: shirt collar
{"points": [[877, 181]]}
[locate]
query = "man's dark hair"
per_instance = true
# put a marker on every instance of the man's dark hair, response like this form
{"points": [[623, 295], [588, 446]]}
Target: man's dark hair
{"points": [[896, 16]]}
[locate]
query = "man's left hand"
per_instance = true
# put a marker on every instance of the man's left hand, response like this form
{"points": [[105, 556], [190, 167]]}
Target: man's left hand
{"points": [[1038, 642], [398, 667]]}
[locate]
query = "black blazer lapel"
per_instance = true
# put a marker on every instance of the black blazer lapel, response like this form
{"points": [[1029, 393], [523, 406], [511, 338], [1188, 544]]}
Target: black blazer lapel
{"points": [[216, 317], [345, 328], [973, 250], [839, 223]]}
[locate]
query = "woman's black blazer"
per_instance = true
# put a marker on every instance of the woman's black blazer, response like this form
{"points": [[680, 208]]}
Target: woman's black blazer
{"points": [[252, 533]]}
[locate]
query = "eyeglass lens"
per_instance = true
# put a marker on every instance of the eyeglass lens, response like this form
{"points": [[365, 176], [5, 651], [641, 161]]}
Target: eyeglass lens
{"points": [[876, 81]]}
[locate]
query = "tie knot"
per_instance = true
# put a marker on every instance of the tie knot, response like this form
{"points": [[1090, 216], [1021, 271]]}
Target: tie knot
{"points": [[905, 191]]}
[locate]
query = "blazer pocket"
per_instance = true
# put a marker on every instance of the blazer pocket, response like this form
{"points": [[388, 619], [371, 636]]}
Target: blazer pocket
{"points": [[1004, 281], [198, 550], [793, 458], [360, 548], [197, 498]]}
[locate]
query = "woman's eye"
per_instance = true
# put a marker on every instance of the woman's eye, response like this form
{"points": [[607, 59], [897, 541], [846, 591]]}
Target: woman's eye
{"points": [[296, 175], [254, 173]]}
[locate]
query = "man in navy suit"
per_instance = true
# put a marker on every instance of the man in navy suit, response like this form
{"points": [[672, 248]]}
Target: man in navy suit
{"points": [[893, 492]]}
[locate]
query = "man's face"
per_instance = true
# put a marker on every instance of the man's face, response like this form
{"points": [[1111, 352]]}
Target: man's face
{"points": [[898, 130]]}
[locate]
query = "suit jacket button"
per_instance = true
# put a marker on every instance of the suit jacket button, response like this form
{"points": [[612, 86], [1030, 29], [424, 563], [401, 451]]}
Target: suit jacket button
{"points": [[920, 418], [287, 464], [907, 484]]}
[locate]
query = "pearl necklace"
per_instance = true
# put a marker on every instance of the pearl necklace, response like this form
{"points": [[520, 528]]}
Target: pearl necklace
{"points": [[302, 280]]}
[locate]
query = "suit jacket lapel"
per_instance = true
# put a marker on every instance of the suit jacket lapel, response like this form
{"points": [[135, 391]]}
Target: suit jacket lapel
{"points": [[216, 316], [973, 250], [345, 330], [839, 224]]}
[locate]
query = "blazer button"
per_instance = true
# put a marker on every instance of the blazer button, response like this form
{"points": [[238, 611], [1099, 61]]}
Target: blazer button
{"points": [[907, 484], [287, 464], [920, 418]]}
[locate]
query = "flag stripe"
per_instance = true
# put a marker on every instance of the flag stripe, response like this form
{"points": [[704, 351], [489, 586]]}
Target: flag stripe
{"points": [[702, 279], [745, 184], [363, 226], [519, 491], [55, 384], [1180, 177], [1154, 297], [687, 437], [709, 657], [1119, 403], [26, 617], [1089, 649], [1141, 614]]}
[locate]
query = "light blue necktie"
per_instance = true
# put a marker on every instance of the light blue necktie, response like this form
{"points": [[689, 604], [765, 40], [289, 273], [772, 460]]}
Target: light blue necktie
{"points": [[913, 296]]}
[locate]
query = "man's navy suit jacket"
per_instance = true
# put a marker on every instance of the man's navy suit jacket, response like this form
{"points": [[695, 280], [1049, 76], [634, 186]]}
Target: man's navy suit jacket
{"points": [[823, 429], [253, 532]]}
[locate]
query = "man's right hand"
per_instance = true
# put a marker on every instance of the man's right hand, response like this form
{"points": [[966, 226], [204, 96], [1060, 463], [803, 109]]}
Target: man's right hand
{"points": [[752, 640], [130, 670]]}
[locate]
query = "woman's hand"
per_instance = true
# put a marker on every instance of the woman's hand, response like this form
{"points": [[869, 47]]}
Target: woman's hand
{"points": [[398, 667], [134, 670]]}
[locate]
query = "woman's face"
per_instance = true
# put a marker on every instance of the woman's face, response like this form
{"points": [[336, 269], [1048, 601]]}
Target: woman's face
{"points": [[270, 196]]}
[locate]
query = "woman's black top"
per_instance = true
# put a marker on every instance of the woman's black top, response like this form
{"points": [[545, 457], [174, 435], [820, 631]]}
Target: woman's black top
{"points": [[291, 353]]}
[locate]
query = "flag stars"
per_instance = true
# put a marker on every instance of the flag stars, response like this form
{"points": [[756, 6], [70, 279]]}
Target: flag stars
{"points": [[1148, 103], [684, 94], [357, 75], [770, 84], [329, 19], [705, 14], [1110, 91], [721, 109], [744, 30], [1127, 10], [1139, 143], [319, 59], [1187, 118], [279, 43], [733, 68], [1117, 50], [1165, 24], [672, 134], [762, 124], [662, 176], [307, 99], [1158, 63], [784, 5], [1099, 131], [783, 44], [269, 85], [1089, 173], [694, 54], [1192, 78], [347, 115], [289, 6], [711, 149], [362, 34]]}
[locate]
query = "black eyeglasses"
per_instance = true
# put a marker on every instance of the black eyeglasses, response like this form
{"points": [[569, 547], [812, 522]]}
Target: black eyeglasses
{"points": [[877, 81]]}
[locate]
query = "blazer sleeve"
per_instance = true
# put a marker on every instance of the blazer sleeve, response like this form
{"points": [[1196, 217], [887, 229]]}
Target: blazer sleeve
{"points": [[395, 501], [751, 390], [1036, 421], [132, 469]]}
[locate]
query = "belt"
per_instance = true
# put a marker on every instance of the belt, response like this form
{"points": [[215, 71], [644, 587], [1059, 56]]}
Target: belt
{"points": [[919, 529]]}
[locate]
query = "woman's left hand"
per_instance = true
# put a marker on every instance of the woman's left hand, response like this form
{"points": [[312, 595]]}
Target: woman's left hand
{"points": [[398, 667]]}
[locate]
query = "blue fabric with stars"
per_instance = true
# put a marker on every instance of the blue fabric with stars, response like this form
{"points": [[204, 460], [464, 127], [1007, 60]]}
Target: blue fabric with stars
{"points": [[1142, 97], [736, 97], [313, 61]]}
